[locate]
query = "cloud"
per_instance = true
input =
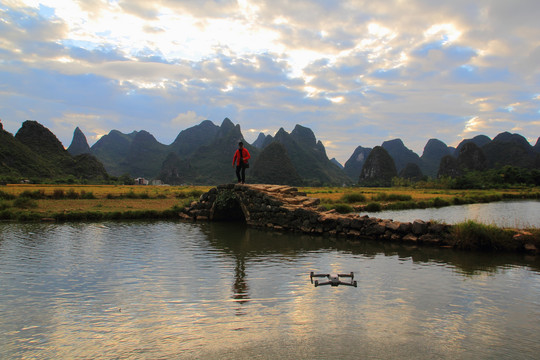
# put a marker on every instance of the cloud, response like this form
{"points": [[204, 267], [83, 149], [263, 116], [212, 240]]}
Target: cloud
{"points": [[356, 72], [186, 120]]}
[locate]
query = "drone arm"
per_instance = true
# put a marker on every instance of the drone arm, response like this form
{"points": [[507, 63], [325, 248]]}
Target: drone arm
{"points": [[351, 275]]}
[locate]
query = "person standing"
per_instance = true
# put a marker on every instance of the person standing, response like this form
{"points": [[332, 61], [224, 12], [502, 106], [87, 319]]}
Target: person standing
{"points": [[240, 160]]}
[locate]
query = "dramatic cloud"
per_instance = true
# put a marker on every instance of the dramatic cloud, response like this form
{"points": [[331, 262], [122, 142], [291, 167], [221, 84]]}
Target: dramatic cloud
{"points": [[356, 72]]}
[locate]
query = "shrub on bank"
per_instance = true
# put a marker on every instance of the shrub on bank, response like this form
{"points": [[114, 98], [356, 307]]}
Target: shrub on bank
{"points": [[343, 208], [470, 235], [373, 207]]}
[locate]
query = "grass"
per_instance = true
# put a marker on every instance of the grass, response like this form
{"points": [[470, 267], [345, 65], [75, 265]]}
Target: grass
{"points": [[94, 202], [402, 198], [470, 235]]}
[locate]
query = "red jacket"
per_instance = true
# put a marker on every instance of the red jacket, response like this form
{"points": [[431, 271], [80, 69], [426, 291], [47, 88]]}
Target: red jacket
{"points": [[245, 156]]}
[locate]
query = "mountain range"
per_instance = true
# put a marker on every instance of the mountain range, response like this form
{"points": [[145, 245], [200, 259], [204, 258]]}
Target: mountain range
{"points": [[202, 154]]}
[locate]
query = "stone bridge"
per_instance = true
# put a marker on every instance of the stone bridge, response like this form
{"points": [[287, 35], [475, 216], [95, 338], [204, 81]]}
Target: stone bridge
{"points": [[285, 208]]}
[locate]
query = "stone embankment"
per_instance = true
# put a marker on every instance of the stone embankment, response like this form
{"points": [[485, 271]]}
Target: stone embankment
{"points": [[285, 208]]}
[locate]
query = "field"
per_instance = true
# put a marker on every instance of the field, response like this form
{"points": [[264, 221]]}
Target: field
{"points": [[21, 202]]}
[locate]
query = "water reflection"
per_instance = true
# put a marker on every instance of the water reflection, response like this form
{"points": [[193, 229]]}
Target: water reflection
{"points": [[177, 290], [234, 241]]}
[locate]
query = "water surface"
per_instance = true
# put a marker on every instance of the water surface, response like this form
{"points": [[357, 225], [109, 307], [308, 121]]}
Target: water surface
{"points": [[518, 214], [179, 290]]}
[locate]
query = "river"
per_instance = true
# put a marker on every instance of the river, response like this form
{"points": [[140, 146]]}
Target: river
{"points": [[176, 290], [515, 214]]}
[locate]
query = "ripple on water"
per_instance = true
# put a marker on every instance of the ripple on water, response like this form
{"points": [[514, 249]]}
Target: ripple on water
{"points": [[176, 290]]}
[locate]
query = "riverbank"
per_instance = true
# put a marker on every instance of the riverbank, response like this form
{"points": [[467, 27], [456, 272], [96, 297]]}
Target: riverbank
{"points": [[58, 203]]}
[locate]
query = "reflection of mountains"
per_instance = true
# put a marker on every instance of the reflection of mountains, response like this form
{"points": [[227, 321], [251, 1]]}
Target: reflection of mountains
{"points": [[245, 244]]}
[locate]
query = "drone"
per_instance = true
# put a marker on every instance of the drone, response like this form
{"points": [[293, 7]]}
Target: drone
{"points": [[333, 279]]}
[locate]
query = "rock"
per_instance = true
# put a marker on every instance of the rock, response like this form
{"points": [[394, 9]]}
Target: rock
{"points": [[410, 238], [530, 247], [419, 227]]}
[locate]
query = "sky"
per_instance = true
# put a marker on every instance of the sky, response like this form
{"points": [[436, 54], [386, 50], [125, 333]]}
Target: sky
{"points": [[356, 72]]}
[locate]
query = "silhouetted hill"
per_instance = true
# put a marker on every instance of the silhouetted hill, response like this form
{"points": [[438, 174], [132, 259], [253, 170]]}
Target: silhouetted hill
{"points": [[18, 160], [145, 156], [378, 169], [36, 153], [259, 143], [537, 145], [411, 172], [400, 153], [353, 166], [42, 141], [471, 158], [79, 145], [434, 151], [189, 140], [449, 167], [479, 141], [177, 170], [273, 166], [337, 163], [509, 149], [309, 157], [112, 150]]}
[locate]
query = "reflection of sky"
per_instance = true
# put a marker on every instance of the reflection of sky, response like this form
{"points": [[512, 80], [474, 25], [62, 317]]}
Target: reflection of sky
{"points": [[167, 290], [520, 214]]}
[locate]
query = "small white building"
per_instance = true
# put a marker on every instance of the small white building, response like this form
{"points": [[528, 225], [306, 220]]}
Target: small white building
{"points": [[141, 181]]}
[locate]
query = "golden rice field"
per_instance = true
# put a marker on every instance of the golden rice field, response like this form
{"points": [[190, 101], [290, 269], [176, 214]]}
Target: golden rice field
{"points": [[109, 198]]}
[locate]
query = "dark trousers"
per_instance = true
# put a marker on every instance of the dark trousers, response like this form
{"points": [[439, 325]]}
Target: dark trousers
{"points": [[241, 169]]}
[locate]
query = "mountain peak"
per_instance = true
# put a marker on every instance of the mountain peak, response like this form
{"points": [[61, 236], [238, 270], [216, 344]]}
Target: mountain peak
{"points": [[400, 153], [38, 138], [259, 142], [514, 138], [304, 135], [79, 145], [227, 124]]}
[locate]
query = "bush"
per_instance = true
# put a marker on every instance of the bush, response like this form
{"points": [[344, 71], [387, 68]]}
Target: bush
{"points": [[391, 197], [87, 195], [343, 208], [401, 205], [471, 235], [196, 193], [373, 207], [58, 194], [24, 203], [131, 195], [440, 202], [353, 198], [72, 194], [6, 196], [37, 194], [4, 205]]}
